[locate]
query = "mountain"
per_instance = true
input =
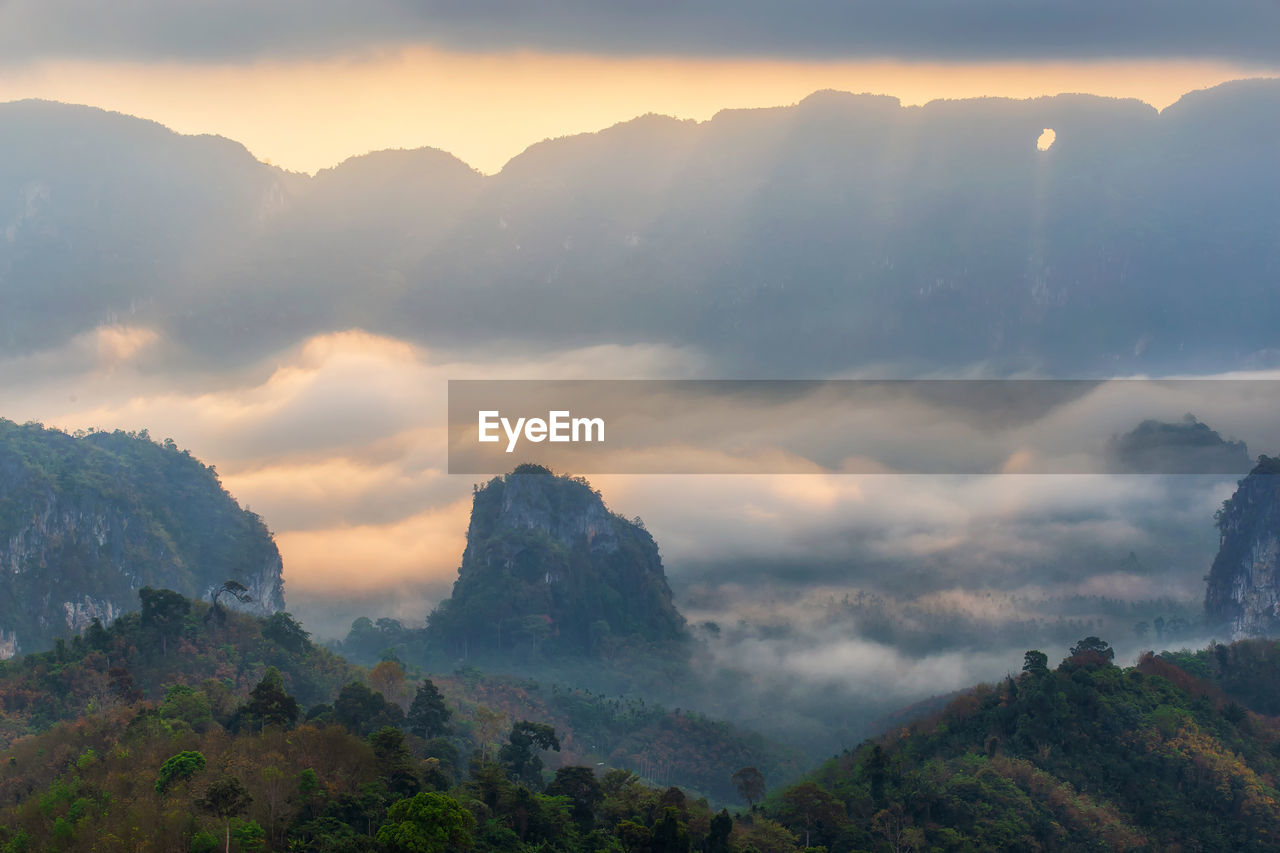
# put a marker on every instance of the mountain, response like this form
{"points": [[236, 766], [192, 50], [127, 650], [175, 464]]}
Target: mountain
{"points": [[1084, 756], [87, 521], [549, 572], [1184, 447], [1243, 596], [107, 216], [844, 231]]}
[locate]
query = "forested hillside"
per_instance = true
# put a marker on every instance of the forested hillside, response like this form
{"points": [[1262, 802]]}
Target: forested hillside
{"points": [[186, 720], [1084, 756], [88, 520], [188, 727]]}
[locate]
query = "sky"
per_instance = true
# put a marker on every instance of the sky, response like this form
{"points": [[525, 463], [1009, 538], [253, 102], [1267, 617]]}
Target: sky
{"points": [[337, 440], [305, 86], [487, 107]]}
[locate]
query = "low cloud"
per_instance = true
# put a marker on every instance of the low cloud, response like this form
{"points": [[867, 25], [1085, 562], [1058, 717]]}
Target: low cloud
{"points": [[339, 443]]}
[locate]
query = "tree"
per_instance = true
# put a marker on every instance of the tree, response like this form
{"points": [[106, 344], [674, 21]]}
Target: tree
{"points": [[487, 724], [582, 788], [811, 807], [1035, 663], [634, 837], [769, 836], [233, 588], [270, 704], [1093, 650], [225, 798], [362, 710], [393, 762], [286, 632], [164, 612], [670, 835], [520, 753], [750, 785], [122, 686], [427, 823], [179, 768], [721, 828], [428, 715], [388, 679], [182, 702]]}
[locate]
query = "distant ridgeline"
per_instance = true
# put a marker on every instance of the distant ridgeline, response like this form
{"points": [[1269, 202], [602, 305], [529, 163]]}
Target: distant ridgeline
{"points": [[1243, 595], [87, 521], [549, 572]]}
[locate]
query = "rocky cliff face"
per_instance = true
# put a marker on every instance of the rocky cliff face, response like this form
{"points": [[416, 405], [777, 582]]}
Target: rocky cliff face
{"points": [[549, 571], [85, 522], [1243, 597]]}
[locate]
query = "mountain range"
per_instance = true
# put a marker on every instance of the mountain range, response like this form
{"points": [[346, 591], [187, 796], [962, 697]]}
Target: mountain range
{"points": [[841, 232]]}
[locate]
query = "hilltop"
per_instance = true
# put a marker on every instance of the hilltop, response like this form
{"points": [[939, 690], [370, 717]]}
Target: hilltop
{"points": [[1087, 755], [88, 520]]}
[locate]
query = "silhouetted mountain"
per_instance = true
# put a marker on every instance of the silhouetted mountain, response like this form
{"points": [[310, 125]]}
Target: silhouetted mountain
{"points": [[1185, 447], [105, 217], [841, 232], [86, 522]]}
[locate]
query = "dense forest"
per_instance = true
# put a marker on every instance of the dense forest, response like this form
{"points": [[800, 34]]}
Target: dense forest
{"points": [[253, 737], [187, 726]]}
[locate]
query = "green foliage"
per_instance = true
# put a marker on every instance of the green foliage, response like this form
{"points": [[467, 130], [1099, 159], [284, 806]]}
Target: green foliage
{"points": [[363, 710], [285, 631], [126, 663], [521, 754], [204, 842], [1084, 756], [226, 797], [269, 703], [186, 704], [428, 716], [117, 511], [546, 591], [1245, 671], [580, 786], [179, 768], [427, 823], [1035, 663]]}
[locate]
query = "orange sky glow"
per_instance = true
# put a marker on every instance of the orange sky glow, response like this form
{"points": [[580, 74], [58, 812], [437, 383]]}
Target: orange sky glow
{"points": [[487, 107]]}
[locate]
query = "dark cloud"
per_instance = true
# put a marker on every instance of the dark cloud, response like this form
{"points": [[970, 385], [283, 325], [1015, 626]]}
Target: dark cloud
{"points": [[978, 29]]}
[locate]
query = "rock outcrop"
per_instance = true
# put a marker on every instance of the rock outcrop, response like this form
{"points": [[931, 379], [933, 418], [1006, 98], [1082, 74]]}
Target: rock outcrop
{"points": [[1243, 596], [86, 521], [549, 571]]}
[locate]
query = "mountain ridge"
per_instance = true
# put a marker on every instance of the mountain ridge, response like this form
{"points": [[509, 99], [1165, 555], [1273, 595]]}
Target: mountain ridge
{"points": [[905, 237]]}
